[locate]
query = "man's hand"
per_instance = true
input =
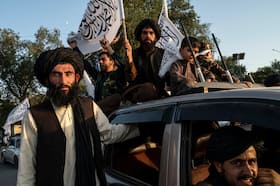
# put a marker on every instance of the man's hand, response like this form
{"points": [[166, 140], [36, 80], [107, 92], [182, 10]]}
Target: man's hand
{"points": [[104, 42], [268, 176], [72, 43], [128, 49]]}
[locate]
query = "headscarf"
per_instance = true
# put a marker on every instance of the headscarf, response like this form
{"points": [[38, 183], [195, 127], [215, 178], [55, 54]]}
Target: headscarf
{"points": [[228, 142], [49, 59]]}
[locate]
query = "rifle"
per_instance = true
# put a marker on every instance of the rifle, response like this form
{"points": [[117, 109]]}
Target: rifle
{"points": [[199, 72], [222, 60]]}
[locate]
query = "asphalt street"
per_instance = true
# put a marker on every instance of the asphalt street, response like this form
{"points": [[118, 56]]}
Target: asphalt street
{"points": [[8, 174]]}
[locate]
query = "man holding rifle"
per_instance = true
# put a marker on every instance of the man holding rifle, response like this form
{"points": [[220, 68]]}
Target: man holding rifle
{"points": [[184, 73], [211, 70]]}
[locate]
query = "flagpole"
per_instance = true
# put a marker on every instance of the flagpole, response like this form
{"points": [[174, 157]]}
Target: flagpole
{"points": [[124, 29], [164, 8], [123, 19]]}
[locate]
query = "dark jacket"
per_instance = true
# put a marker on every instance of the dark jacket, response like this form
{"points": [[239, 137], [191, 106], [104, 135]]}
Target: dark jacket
{"points": [[183, 76], [51, 142], [214, 179], [109, 83], [209, 66], [147, 66]]}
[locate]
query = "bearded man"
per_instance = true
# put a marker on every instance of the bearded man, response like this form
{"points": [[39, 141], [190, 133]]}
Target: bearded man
{"points": [[147, 60], [233, 154], [61, 137]]}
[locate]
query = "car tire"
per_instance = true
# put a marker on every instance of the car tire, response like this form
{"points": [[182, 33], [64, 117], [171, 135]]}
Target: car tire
{"points": [[16, 161], [3, 160]]}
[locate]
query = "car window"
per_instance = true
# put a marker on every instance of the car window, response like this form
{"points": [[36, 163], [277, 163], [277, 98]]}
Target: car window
{"points": [[270, 154], [138, 159], [200, 134]]}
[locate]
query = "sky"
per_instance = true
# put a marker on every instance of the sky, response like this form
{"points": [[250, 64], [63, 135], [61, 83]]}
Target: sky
{"points": [[249, 26]]}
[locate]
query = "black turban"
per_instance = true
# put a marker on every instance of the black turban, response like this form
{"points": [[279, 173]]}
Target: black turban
{"points": [[49, 59], [147, 23], [228, 142]]}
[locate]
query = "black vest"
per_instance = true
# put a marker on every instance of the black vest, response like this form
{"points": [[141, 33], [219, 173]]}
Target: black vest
{"points": [[51, 142]]}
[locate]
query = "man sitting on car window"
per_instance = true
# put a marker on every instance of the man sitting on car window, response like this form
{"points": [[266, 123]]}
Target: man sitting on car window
{"points": [[232, 152]]}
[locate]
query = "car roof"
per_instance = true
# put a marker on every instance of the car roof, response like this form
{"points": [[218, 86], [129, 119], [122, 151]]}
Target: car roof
{"points": [[259, 105], [262, 93]]}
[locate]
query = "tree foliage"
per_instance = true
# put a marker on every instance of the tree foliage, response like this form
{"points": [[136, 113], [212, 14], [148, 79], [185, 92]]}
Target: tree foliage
{"points": [[180, 12], [135, 11], [236, 69], [183, 13], [17, 58], [262, 72]]}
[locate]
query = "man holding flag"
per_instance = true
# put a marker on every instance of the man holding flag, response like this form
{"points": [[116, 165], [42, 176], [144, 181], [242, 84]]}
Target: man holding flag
{"points": [[147, 59], [62, 137], [157, 51]]}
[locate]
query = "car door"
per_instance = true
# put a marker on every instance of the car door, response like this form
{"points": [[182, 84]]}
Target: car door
{"points": [[138, 161], [200, 118]]}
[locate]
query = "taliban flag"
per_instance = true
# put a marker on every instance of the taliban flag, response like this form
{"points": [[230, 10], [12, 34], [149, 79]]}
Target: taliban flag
{"points": [[16, 114], [101, 19], [170, 40]]}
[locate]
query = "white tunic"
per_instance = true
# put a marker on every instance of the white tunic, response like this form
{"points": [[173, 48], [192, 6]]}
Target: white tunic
{"points": [[27, 161]]}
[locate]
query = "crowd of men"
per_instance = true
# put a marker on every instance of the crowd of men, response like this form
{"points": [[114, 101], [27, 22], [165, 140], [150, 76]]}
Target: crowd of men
{"points": [[135, 78], [62, 136]]}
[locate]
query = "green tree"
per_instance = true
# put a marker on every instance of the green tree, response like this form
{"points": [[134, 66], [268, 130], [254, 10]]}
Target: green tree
{"points": [[179, 12], [135, 11], [263, 72], [182, 13], [236, 69], [17, 58]]}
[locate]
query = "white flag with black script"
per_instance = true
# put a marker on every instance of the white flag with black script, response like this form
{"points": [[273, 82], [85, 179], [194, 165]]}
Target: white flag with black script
{"points": [[101, 18], [17, 113], [170, 40]]}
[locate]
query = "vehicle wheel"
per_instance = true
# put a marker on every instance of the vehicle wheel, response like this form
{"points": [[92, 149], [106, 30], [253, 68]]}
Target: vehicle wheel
{"points": [[3, 158], [15, 161]]}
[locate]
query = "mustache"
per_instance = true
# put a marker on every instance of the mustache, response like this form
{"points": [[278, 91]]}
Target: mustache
{"points": [[251, 177], [59, 98], [62, 86], [148, 40]]}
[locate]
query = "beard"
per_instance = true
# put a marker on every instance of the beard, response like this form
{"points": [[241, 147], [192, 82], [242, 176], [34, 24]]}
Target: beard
{"points": [[60, 98], [148, 46]]}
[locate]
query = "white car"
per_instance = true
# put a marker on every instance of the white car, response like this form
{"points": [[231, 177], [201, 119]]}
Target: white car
{"points": [[10, 154], [171, 148]]}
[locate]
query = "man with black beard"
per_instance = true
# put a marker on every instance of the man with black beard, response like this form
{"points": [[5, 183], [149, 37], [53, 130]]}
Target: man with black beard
{"points": [[233, 154], [62, 136], [147, 59]]}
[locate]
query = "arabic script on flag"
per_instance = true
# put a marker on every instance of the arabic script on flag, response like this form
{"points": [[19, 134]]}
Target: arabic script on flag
{"points": [[170, 40], [101, 18]]}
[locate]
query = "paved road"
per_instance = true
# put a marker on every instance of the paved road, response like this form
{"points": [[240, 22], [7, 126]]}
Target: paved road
{"points": [[8, 175]]}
